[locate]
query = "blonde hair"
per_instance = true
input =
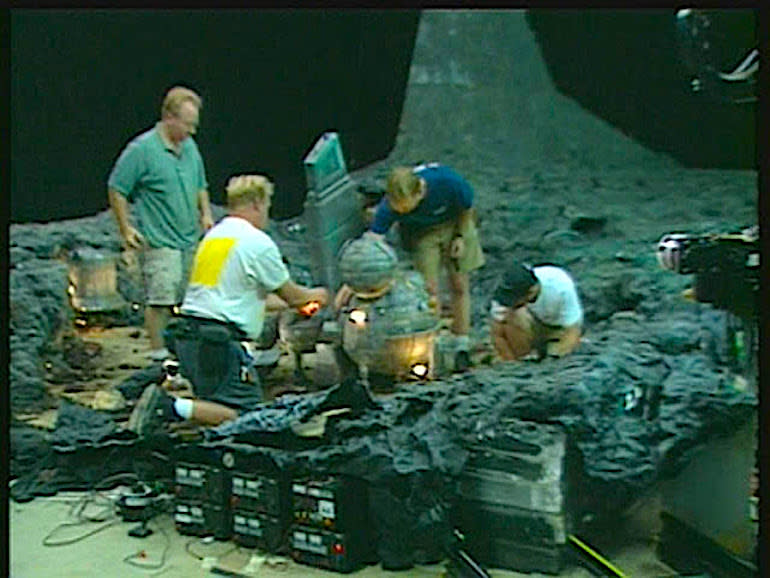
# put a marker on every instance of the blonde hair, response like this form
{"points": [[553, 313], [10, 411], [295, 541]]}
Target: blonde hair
{"points": [[403, 185], [244, 189], [175, 97]]}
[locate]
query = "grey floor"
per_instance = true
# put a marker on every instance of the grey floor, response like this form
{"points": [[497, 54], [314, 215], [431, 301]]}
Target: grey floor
{"points": [[98, 549]]}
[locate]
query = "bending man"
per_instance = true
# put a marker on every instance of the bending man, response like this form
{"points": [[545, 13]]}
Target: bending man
{"points": [[434, 208]]}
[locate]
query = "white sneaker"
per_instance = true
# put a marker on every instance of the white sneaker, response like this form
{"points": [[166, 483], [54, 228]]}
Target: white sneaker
{"points": [[159, 354]]}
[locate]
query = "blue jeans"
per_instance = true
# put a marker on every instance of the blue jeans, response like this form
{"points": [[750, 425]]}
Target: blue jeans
{"points": [[217, 365]]}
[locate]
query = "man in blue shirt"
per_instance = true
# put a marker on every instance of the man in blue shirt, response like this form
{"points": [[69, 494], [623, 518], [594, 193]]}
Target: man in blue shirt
{"points": [[434, 208]]}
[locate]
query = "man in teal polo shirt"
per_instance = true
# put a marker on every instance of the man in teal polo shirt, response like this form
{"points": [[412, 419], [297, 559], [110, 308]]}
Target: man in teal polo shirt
{"points": [[161, 171]]}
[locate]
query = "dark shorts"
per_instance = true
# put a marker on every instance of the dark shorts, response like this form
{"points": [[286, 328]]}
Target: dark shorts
{"points": [[211, 356]]}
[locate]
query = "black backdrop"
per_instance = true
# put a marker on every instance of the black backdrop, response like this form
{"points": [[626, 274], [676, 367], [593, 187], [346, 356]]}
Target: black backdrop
{"points": [[83, 82], [624, 66]]}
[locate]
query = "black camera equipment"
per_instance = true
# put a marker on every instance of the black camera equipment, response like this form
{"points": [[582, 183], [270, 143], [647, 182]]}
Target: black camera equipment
{"points": [[726, 268]]}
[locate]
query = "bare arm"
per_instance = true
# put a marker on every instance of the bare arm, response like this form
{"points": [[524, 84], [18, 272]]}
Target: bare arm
{"points": [[275, 303], [464, 220], [500, 342], [119, 205], [204, 206], [297, 295]]}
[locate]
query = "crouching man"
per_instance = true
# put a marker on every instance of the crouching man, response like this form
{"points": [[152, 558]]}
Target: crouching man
{"points": [[536, 310], [236, 267]]}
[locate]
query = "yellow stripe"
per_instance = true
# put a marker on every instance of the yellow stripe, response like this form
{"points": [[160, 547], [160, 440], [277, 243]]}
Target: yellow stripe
{"points": [[209, 261], [586, 548]]}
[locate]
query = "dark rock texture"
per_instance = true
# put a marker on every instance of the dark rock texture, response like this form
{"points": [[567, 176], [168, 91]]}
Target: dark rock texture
{"points": [[552, 183]]}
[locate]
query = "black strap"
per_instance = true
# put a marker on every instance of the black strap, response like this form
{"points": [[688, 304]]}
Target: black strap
{"points": [[236, 332]]}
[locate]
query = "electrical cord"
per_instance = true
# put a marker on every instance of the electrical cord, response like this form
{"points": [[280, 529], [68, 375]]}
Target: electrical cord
{"points": [[188, 549], [133, 559], [107, 518], [48, 542]]}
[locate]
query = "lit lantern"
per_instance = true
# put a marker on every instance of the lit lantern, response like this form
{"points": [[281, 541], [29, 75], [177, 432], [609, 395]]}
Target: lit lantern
{"points": [[93, 282], [389, 327]]}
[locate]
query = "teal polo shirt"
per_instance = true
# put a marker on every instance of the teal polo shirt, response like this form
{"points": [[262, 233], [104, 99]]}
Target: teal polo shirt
{"points": [[164, 187]]}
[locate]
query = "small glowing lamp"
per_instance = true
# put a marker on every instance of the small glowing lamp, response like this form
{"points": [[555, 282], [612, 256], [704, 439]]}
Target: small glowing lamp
{"points": [[419, 370], [358, 316]]}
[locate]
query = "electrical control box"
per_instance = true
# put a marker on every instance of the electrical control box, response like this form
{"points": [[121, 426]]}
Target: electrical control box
{"points": [[255, 530], [332, 503], [194, 518], [260, 501], [514, 510], [323, 549], [330, 526], [203, 488]]}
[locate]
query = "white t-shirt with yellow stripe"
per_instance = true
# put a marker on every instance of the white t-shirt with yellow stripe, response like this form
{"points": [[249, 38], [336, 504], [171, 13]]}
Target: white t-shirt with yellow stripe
{"points": [[235, 267]]}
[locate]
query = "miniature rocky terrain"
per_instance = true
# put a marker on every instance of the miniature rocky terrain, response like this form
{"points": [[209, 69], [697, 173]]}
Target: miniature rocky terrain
{"points": [[553, 184]]}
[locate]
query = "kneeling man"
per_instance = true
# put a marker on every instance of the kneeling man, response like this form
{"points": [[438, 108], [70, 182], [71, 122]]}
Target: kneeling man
{"points": [[536, 309], [236, 267]]}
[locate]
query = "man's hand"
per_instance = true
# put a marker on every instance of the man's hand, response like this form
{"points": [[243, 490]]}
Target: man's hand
{"points": [[457, 248], [132, 238], [206, 222], [497, 311], [319, 294], [129, 258], [343, 297], [315, 299]]}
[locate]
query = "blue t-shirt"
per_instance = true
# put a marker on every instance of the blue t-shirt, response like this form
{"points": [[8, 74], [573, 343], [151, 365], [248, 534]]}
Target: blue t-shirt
{"points": [[447, 195]]}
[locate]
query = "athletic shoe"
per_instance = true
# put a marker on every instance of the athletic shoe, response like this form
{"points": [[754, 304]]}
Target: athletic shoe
{"points": [[152, 412]]}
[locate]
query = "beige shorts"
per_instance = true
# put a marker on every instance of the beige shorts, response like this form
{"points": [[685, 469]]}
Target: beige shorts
{"points": [[165, 273], [525, 334], [431, 250]]}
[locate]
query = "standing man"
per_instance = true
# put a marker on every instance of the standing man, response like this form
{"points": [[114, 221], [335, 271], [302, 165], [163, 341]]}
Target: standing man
{"points": [[162, 171], [434, 208], [237, 266]]}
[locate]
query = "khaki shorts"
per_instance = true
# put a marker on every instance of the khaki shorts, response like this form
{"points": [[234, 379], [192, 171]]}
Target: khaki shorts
{"points": [[525, 334], [165, 272], [431, 249]]}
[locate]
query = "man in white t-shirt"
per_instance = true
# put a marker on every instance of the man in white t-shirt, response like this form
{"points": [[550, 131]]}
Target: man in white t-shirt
{"points": [[237, 265], [536, 309]]}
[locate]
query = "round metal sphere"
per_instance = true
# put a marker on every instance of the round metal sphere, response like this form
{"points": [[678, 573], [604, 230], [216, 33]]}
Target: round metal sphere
{"points": [[367, 265]]}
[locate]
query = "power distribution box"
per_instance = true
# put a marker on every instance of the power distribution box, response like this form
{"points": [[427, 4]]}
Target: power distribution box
{"points": [[514, 509], [330, 528], [260, 501]]}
